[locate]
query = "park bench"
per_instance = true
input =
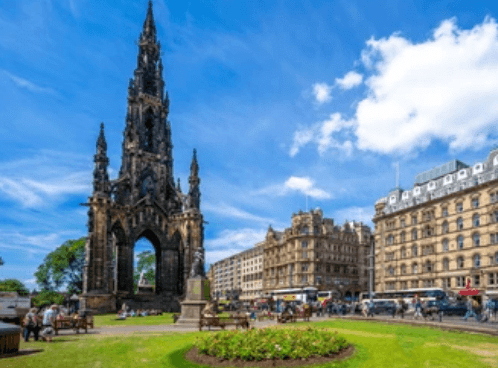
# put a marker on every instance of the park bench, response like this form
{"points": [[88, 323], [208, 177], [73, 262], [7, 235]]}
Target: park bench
{"points": [[68, 323], [216, 321], [287, 317], [266, 315]]}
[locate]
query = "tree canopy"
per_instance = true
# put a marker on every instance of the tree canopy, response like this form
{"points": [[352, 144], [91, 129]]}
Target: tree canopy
{"points": [[63, 266], [47, 297], [146, 263], [13, 285]]}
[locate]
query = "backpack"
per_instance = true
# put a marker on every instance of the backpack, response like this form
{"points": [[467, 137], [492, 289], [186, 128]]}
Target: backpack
{"points": [[31, 320]]}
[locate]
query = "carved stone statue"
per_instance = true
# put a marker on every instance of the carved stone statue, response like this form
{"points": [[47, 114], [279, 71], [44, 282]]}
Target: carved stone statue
{"points": [[198, 264], [143, 281], [208, 310]]}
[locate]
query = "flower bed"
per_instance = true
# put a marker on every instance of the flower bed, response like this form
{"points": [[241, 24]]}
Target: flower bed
{"points": [[260, 344]]}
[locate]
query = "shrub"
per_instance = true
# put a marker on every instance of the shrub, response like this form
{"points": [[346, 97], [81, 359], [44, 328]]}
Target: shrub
{"points": [[258, 344]]}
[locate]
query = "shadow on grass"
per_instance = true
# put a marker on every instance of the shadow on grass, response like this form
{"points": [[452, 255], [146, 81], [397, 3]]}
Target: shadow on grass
{"points": [[177, 358], [21, 353]]}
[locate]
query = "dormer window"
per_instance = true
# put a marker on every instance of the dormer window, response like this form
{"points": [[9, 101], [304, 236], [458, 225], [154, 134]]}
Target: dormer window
{"points": [[432, 185], [448, 179], [477, 169], [416, 191], [462, 174]]}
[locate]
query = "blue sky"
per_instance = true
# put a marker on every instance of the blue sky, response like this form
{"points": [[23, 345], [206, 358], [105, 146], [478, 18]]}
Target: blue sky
{"points": [[281, 99]]}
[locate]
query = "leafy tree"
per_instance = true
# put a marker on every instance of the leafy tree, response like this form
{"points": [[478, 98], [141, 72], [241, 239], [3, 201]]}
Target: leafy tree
{"points": [[147, 264], [1, 261], [63, 266], [47, 297], [13, 285]]}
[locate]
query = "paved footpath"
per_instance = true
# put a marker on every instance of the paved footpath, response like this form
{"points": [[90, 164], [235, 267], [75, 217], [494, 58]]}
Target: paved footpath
{"points": [[453, 324]]}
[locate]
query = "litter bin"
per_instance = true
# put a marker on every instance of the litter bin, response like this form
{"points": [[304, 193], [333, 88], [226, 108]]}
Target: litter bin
{"points": [[10, 336]]}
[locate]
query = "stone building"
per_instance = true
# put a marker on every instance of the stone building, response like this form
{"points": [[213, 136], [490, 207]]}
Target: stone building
{"points": [[252, 272], [143, 201], [442, 232], [315, 252], [227, 278]]}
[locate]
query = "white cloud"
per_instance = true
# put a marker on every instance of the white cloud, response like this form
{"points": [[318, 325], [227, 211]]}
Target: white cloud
{"points": [[350, 80], [322, 92], [442, 88], [322, 134], [34, 244], [229, 242], [26, 84], [363, 214], [236, 239], [301, 138], [304, 185], [226, 210], [44, 178]]}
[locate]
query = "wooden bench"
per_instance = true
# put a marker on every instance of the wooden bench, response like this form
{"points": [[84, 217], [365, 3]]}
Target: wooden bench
{"points": [[266, 316], [70, 323], [287, 317], [215, 321]]}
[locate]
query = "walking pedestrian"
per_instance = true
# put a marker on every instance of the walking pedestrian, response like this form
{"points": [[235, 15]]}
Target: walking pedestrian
{"points": [[48, 320], [31, 324], [418, 307]]}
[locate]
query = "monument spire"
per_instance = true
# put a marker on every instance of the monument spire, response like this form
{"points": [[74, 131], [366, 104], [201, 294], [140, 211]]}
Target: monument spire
{"points": [[100, 175], [194, 192]]}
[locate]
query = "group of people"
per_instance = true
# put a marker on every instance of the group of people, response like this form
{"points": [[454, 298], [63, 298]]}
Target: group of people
{"points": [[123, 313], [40, 322], [479, 312]]}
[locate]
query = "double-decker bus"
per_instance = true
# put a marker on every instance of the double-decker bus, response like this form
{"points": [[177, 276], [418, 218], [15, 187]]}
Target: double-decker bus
{"points": [[325, 296], [408, 295], [306, 295]]}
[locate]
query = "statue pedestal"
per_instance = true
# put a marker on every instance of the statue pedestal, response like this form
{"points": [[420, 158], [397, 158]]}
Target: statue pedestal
{"points": [[145, 289], [194, 302]]}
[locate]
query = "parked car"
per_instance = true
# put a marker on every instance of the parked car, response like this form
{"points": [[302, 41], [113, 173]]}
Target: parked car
{"points": [[384, 307], [447, 308]]}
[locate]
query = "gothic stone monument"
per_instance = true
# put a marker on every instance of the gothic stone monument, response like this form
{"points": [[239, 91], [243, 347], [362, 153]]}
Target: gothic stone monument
{"points": [[143, 201], [195, 300]]}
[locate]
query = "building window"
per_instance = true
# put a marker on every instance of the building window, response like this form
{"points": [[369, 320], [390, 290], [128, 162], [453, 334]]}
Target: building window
{"points": [[390, 240], [477, 260], [304, 244], [428, 266], [402, 221], [459, 207], [304, 279], [477, 280], [447, 283], [476, 220], [403, 269], [402, 237], [460, 281], [460, 262], [491, 278], [403, 252], [446, 264], [477, 239], [414, 251], [414, 284], [414, 234], [460, 242], [475, 202], [414, 268], [445, 211], [414, 220], [459, 223], [316, 230], [445, 227], [403, 285], [391, 270], [445, 245], [493, 238]]}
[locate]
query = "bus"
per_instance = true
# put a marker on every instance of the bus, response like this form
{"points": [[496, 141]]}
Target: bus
{"points": [[306, 295], [425, 294], [325, 296]]}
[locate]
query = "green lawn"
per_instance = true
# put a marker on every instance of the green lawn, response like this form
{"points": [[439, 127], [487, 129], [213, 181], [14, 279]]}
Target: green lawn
{"points": [[111, 320], [377, 345]]}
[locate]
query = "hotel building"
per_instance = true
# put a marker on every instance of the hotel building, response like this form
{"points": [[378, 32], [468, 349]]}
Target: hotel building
{"points": [[441, 232]]}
